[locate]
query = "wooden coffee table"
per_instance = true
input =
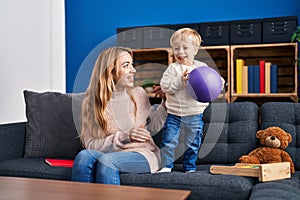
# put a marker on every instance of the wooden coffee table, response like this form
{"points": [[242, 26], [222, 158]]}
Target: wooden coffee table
{"points": [[28, 188]]}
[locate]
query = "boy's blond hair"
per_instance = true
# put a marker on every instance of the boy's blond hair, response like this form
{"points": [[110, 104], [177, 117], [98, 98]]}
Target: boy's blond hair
{"points": [[186, 32]]}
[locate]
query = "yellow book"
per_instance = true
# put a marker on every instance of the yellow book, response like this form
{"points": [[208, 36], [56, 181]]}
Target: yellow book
{"points": [[267, 77], [245, 79], [239, 85]]}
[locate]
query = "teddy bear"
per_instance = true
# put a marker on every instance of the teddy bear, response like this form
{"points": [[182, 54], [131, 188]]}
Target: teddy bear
{"points": [[273, 140]]}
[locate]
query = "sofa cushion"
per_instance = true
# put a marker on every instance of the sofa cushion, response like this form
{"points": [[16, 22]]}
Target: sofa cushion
{"points": [[286, 115], [33, 168], [12, 138], [229, 132], [50, 127], [202, 184], [277, 190]]}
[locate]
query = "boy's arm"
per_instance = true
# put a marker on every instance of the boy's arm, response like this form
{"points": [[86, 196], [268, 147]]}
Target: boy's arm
{"points": [[171, 81]]}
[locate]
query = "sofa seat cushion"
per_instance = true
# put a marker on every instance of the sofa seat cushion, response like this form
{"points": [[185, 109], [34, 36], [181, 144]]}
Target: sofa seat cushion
{"points": [[278, 190], [203, 184], [33, 168], [201, 167]]}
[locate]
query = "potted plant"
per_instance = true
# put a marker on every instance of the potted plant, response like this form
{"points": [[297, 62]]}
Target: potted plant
{"points": [[296, 35]]}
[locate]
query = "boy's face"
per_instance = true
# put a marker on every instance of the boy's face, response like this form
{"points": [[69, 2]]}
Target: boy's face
{"points": [[184, 50]]}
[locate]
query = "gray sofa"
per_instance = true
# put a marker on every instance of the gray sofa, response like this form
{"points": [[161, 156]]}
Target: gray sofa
{"points": [[229, 132]]}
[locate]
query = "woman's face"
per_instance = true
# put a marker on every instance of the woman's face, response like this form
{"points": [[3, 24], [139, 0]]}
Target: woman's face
{"points": [[126, 72]]}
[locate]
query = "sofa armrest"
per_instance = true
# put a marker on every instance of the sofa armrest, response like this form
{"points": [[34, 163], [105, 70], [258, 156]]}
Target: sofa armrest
{"points": [[12, 139]]}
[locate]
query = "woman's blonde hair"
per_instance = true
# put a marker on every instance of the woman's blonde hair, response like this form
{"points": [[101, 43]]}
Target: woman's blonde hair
{"points": [[102, 84], [186, 32]]}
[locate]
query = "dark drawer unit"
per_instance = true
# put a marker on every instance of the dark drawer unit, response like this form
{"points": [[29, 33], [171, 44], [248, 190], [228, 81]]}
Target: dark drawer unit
{"points": [[235, 32], [214, 33], [156, 37], [175, 27], [245, 32], [279, 29], [130, 37]]}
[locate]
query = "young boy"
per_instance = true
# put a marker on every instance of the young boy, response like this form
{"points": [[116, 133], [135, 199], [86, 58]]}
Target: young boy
{"points": [[184, 113]]}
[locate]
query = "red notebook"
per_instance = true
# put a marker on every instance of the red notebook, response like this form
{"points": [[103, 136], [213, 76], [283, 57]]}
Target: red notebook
{"points": [[59, 162]]}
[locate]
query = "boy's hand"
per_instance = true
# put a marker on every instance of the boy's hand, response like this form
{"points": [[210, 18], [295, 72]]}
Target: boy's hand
{"points": [[185, 75]]}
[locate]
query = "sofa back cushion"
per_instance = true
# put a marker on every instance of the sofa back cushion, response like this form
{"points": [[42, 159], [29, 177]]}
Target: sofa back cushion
{"points": [[285, 115], [229, 132], [51, 129]]}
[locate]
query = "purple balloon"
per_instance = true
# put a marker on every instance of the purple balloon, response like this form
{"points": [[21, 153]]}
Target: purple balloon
{"points": [[204, 84]]}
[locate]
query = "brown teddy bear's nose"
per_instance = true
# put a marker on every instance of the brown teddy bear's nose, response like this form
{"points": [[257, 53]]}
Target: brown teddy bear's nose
{"points": [[273, 138]]}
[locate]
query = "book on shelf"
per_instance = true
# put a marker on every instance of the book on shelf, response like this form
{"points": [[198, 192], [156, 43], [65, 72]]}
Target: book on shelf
{"points": [[239, 84], [259, 78], [250, 79], [267, 77], [262, 76], [256, 78], [245, 79], [59, 162], [274, 78]]}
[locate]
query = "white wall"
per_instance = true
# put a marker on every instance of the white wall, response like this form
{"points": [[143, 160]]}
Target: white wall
{"points": [[32, 52]]}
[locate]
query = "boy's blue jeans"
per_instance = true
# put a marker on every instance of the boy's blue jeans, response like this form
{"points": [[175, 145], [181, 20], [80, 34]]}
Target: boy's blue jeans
{"points": [[95, 166], [192, 128]]}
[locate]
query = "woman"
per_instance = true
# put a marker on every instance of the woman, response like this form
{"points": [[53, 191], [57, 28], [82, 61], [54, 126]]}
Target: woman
{"points": [[117, 119]]}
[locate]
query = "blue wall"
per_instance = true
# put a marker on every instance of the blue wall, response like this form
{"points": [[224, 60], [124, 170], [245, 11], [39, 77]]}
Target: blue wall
{"points": [[89, 23]]}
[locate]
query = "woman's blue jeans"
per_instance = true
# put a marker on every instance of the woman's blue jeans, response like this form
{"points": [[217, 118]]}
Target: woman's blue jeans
{"points": [[192, 129], [95, 166]]}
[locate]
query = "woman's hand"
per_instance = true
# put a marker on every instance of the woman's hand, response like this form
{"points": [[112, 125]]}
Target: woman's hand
{"points": [[139, 134]]}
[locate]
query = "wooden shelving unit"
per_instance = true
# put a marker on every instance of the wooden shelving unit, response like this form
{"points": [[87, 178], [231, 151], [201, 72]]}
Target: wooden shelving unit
{"points": [[152, 62], [218, 57], [282, 54]]}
